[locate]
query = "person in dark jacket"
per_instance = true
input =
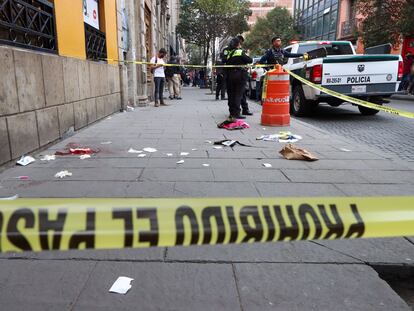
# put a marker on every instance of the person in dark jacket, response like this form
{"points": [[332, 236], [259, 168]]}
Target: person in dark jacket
{"points": [[277, 54], [221, 82], [236, 77]]}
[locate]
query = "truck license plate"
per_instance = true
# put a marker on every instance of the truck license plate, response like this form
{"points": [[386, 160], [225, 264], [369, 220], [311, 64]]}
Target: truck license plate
{"points": [[359, 89]]}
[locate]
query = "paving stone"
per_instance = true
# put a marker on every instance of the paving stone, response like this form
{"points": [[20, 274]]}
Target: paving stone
{"points": [[8, 89], [277, 287], [162, 286], [387, 165], [155, 174], [376, 189], [214, 189], [53, 79], [339, 165], [276, 163], [263, 174], [397, 251], [42, 285], [390, 177], [350, 155], [30, 88], [324, 176], [298, 189], [294, 252], [150, 190]]}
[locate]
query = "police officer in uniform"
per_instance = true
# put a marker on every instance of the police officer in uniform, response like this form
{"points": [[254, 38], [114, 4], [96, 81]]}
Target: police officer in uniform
{"points": [[236, 77], [277, 54]]}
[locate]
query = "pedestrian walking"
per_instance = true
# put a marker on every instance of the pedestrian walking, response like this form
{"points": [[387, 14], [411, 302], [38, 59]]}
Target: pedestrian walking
{"points": [[410, 88], [405, 82], [221, 82], [159, 77], [173, 74], [202, 77], [276, 54], [236, 77]]}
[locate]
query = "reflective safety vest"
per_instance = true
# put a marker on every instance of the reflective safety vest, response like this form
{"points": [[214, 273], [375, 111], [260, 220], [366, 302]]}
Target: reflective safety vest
{"points": [[234, 53]]}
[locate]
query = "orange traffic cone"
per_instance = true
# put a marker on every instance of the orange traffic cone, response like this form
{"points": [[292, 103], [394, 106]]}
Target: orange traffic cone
{"points": [[275, 111]]}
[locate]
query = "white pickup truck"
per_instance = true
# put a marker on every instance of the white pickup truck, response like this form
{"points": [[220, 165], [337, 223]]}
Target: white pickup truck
{"points": [[369, 77]]}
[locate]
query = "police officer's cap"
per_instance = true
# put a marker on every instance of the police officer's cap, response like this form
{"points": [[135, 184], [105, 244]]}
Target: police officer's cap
{"points": [[275, 38]]}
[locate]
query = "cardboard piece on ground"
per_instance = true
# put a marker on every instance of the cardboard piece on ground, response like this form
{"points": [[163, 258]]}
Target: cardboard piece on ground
{"points": [[25, 160], [291, 152], [121, 286]]}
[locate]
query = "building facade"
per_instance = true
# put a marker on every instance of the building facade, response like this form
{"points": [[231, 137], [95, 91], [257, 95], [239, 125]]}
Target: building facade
{"points": [[260, 8], [317, 19], [58, 70]]}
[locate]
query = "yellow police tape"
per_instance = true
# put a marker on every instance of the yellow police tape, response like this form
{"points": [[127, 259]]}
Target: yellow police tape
{"points": [[353, 100], [62, 224]]}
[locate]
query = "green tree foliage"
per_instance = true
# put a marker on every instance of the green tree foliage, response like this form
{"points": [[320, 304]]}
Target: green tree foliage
{"points": [[277, 22], [202, 21], [385, 21]]}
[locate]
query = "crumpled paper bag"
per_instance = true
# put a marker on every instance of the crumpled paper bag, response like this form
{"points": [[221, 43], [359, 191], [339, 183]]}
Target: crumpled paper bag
{"points": [[291, 152]]}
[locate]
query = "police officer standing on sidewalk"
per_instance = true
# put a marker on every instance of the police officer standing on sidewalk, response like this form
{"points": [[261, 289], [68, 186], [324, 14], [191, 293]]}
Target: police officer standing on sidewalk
{"points": [[236, 77]]}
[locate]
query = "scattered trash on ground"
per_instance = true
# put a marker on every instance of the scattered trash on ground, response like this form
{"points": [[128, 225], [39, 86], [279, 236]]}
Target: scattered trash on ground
{"points": [[345, 150], [130, 109], [142, 155], [194, 149], [106, 142], [63, 174], [85, 156], [109, 118], [25, 160], [121, 286], [48, 158], [267, 165], [264, 129], [180, 162], [184, 153], [169, 154], [150, 150], [22, 177], [132, 150], [14, 197], [291, 152], [208, 141], [233, 124], [206, 165], [230, 143], [218, 147], [282, 137]]}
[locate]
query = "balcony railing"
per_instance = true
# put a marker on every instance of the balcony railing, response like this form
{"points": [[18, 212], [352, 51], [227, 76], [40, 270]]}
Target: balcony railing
{"points": [[28, 23], [350, 28], [95, 43]]}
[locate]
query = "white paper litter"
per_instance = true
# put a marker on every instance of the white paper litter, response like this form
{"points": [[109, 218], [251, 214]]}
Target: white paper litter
{"points": [[132, 150], [218, 147], [129, 108], [142, 155], [208, 142], [84, 156], [345, 150], [106, 142], [25, 160], [206, 165], [109, 118], [184, 153], [63, 174], [169, 154], [267, 165], [48, 158], [194, 149], [228, 143], [180, 162], [281, 137], [121, 286], [150, 150], [14, 197]]}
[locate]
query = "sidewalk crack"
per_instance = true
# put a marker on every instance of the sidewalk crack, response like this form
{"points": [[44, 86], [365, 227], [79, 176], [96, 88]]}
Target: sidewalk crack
{"points": [[72, 305], [336, 251], [237, 286]]}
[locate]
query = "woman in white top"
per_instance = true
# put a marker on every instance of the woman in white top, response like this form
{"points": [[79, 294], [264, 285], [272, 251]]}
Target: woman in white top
{"points": [[159, 76]]}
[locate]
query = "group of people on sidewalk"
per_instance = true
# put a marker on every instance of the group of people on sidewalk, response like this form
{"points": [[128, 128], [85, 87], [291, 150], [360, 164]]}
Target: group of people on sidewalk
{"points": [[233, 77], [161, 72]]}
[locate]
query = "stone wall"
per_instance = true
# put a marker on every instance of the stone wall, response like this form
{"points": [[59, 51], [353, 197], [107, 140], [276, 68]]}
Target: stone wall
{"points": [[44, 96]]}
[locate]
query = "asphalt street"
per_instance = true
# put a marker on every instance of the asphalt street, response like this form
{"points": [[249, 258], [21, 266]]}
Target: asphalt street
{"points": [[391, 134]]}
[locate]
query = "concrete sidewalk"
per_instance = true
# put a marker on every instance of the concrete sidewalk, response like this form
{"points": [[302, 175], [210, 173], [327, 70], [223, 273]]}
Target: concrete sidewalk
{"points": [[334, 275]]}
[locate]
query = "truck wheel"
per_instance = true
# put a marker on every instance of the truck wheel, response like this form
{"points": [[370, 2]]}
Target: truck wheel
{"points": [[299, 106], [367, 111]]}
